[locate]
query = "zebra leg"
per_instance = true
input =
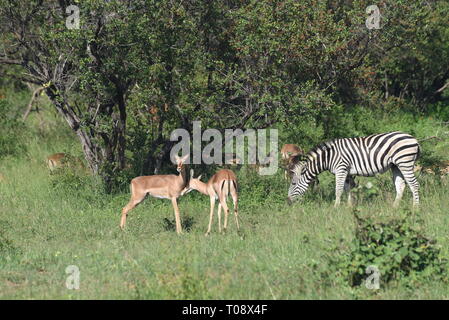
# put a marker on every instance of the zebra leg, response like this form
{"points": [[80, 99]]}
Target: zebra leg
{"points": [[399, 183], [340, 178], [409, 176]]}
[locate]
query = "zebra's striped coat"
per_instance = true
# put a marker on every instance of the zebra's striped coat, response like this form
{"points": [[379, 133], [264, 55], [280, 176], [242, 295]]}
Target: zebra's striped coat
{"points": [[362, 156]]}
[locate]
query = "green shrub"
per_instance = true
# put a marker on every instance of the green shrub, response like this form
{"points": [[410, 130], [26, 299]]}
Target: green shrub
{"points": [[66, 180], [11, 132], [367, 191], [397, 248], [255, 189]]}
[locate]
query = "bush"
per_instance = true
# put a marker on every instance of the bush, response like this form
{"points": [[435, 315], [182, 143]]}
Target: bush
{"points": [[67, 180], [256, 190], [11, 132], [398, 249]]}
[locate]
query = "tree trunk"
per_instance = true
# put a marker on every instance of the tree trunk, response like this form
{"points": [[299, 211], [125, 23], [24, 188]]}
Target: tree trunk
{"points": [[91, 151]]}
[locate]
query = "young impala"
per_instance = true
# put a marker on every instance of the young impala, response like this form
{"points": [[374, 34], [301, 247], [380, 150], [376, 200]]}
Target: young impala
{"points": [[60, 160], [160, 186], [55, 160], [222, 183]]}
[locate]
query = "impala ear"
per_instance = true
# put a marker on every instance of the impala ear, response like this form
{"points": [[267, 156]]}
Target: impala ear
{"points": [[191, 173], [183, 159], [199, 177]]}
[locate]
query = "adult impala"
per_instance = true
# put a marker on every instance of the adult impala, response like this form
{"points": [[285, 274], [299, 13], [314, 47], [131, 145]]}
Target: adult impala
{"points": [[290, 150], [167, 186], [290, 156], [222, 183]]}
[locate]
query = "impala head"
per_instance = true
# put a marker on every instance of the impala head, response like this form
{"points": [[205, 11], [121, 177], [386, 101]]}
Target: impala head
{"points": [[297, 185], [192, 184], [180, 162]]}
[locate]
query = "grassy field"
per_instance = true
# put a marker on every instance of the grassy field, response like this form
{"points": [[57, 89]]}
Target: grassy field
{"points": [[280, 253]]}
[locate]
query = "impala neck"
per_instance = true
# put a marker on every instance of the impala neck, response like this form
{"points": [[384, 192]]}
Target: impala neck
{"points": [[183, 176], [202, 187]]}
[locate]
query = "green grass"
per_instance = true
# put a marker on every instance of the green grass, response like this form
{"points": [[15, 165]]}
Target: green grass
{"points": [[47, 229], [280, 253]]}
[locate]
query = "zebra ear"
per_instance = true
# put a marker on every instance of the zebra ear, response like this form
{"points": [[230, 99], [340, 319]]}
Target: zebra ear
{"points": [[294, 171], [297, 170]]}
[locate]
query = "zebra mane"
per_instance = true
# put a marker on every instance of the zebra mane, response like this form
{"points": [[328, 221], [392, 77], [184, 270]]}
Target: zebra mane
{"points": [[321, 147], [299, 168]]}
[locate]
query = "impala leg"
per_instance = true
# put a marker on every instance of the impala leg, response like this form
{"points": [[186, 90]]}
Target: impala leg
{"points": [[219, 217], [136, 198], [236, 210], [177, 215], [226, 212], [212, 205]]}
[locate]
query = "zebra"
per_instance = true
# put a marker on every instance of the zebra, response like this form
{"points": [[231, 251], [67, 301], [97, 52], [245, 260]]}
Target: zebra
{"points": [[362, 156]]}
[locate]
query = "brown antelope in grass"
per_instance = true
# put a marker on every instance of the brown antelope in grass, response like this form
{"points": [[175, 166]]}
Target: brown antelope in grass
{"points": [[290, 150], [290, 157], [223, 183], [167, 186], [441, 168], [55, 160], [58, 160]]}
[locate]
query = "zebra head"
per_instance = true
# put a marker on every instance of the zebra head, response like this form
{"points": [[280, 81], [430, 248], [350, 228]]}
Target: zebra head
{"points": [[297, 186]]}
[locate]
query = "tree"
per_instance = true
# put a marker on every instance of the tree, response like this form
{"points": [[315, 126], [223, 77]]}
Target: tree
{"points": [[136, 70]]}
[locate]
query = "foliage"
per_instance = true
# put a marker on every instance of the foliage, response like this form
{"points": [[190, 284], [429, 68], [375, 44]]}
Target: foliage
{"points": [[73, 180], [397, 248], [49, 221], [11, 131], [136, 71]]}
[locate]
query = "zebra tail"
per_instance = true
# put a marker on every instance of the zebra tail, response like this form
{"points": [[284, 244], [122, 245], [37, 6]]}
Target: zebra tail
{"points": [[419, 152]]}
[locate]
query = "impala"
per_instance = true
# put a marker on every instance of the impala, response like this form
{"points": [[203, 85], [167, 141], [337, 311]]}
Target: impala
{"points": [[290, 150], [222, 183], [55, 160], [160, 186], [58, 160], [290, 155], [441, 169]]}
